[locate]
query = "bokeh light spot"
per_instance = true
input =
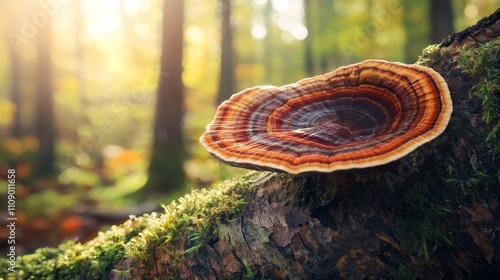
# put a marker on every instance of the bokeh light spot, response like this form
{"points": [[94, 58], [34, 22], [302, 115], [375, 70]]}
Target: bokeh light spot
{"points": [[259, 31]]}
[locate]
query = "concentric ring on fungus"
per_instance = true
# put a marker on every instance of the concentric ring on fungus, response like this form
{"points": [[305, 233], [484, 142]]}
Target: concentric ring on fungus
{"points": [[357, 116]]}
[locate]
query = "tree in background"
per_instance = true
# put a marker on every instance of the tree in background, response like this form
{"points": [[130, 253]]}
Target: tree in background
{"points": [[420, 32], [80, 57], [269, 45], [166, 174], [441, 16], [416, 29], [308, 42], [44, 126], [226, 79], [322, 49], [13, 21]]}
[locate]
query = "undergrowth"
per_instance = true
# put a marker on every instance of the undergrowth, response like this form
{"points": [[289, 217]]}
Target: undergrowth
{"points": [[186, 225]]}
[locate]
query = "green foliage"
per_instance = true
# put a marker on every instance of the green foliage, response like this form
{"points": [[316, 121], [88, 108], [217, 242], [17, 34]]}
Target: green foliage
{"points": [[18, 150], [48, 203]]}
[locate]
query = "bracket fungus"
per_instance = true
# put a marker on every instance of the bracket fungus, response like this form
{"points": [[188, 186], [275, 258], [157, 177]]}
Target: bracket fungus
{"points": [[357, 116]]}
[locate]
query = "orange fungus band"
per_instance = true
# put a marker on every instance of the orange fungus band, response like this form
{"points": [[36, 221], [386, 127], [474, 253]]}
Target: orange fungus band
{"points": [[357, 116]]}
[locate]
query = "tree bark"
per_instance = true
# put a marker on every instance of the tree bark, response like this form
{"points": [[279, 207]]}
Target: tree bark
{"points": [[166, 173]]}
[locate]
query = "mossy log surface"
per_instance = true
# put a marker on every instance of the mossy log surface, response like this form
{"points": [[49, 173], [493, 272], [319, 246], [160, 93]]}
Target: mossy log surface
{"points": [[434, 214]]}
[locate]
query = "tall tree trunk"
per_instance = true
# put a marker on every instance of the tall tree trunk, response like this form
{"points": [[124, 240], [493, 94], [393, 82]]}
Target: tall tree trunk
{"points": [[327, 53], [268, 44], [80, 56], [44, 106], [13, 25], [226, 78], [166, 173], [15, 90], [441, 15]]}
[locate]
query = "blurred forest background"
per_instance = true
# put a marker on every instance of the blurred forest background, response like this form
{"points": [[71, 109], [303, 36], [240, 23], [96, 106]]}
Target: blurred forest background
{"points": [[102, 102]]}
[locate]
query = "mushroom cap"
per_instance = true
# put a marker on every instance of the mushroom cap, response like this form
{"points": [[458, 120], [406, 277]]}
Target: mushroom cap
{"points": [[357, 116]]}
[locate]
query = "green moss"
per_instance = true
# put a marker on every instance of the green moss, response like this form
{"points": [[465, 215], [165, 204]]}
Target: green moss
{"points": [[92, 260], [482, 64], [430, 56], [194, 218], [249, 273]]}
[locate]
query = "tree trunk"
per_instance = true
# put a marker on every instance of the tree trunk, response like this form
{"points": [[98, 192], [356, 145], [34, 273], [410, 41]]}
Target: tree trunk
{"points": [[44, 110], [430, 215], [309, 40], [15, 91], [441, 15], [416, 29], [80, 72], [166, 173], [269, 43], [226, 78]]}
